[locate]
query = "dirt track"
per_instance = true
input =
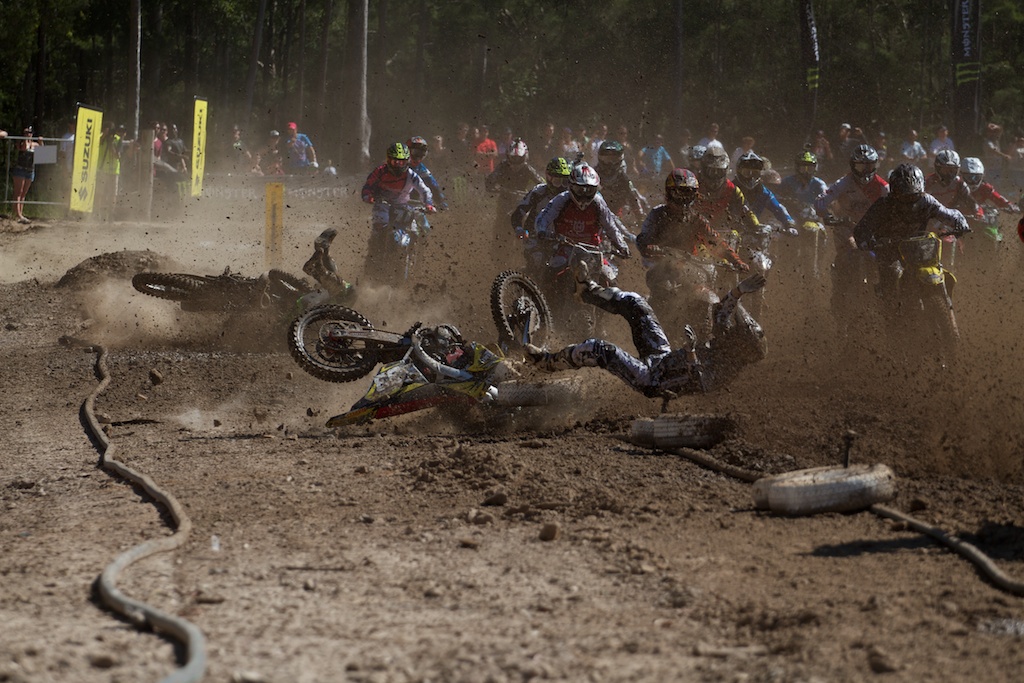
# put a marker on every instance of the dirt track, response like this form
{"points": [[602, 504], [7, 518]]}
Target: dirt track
{"points": [[351, 555]]}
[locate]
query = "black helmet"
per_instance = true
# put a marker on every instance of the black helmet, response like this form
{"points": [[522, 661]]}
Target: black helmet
{"points": [[610, 152], [863, 163], [440, 341], [748, 170], [906, 182]]}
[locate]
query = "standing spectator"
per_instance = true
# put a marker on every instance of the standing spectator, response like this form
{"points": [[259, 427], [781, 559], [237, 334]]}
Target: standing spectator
{"points": [[881, 145], [568, 148], [268, 159], [653, 158], [600, 135], [583, 139], [821, 148], [710, 141], [996, 160], [174, 150], [507, 140], [844, 145], [486, 150], [912, 151], [159, 135], [940, 142], [24, 170], [109, 172], [299, 153], [239, 156], [746, 145], [548, 144]]}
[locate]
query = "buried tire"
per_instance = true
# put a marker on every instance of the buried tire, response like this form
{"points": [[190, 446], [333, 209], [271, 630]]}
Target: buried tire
{"points": [[825, 489]]}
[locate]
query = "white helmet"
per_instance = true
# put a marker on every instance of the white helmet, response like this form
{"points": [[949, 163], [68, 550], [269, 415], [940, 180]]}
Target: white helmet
{"points": [[583, 185], [973, 172]]}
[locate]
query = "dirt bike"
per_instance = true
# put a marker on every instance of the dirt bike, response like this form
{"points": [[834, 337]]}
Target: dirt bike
{"points": [[338, 344], [812, 241], [395, 245], [682, 290], [917, 291], [987, 224], [559, 284], [233, 293]]}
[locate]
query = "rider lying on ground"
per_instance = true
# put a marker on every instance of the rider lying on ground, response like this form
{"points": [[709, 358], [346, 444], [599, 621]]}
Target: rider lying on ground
{"points": [[660, 371]]}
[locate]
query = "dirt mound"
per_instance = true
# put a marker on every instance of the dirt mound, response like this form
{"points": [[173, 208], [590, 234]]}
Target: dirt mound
{"points": [[120, 264]]}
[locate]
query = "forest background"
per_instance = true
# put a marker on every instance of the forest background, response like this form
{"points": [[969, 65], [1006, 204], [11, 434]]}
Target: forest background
{"points": [[654, 65]]}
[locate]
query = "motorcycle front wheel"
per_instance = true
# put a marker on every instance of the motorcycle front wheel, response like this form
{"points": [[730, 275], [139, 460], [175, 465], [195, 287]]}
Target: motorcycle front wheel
{"points": [[517, 304], [318, 342]]}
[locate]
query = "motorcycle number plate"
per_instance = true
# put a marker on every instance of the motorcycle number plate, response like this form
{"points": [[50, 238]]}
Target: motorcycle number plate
{"points": [[396, 377]]}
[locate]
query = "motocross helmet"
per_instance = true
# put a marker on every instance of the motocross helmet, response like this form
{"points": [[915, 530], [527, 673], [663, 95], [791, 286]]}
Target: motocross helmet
{"points": [[558, 173], [697, 153], [440, 341], [610, 154], [806, 165], [947, 165], [417, 148], [863, 164], [714, 166], [681, 187], [973, 172], [398, 158], [583, 185], [906, 183], [748, 170], [517, 152]]}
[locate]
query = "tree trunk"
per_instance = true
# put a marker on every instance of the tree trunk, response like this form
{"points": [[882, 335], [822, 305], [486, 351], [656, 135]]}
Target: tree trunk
{"points": [[321, 92], [356, 142], [254, 61], [134, 63]]}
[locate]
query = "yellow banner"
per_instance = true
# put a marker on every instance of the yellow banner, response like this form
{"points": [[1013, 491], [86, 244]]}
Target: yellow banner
{"points": [[274, 234], [198, 146], [86, 158]]}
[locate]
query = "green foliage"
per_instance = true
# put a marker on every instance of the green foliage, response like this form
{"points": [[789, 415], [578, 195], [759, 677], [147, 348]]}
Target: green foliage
{"points": [[885, 64]]}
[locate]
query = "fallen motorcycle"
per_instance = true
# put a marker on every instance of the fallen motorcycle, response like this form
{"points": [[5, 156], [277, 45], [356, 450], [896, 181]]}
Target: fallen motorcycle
{"points": [[426, 367], [233, 293]]}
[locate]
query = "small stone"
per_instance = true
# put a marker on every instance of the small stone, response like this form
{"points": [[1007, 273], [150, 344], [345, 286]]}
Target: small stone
{"points": [[289, 375], [248, 677], [142, 397], [367, 519], [479, 517], [881, 662], [102, 660], [217, 423], [917, 505], [309, 585], [155, 376], [470, 543], [550, 531], [497, 498], [12, 327], [312, 413]]}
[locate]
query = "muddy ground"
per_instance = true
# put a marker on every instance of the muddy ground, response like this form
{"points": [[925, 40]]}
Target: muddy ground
{"points": [[368, 555]]}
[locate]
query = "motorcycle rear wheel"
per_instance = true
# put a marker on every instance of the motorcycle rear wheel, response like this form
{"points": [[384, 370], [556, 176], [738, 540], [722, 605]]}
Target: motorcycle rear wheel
{"points": [[515, 298], [170, 286], [318, 344]]}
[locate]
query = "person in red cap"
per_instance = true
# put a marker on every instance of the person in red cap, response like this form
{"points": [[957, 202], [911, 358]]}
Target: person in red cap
{"points": [[300, 155]]}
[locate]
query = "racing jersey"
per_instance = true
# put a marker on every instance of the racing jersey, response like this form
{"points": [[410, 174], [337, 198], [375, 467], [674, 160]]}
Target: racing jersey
{"points": [[381, 185], [525, 213], [888, 221], [761, 198], [427, 177], [562, 217], [805, 193], [851, 199], [686, 230], [954, 194], [986, 193], [726, 208]]}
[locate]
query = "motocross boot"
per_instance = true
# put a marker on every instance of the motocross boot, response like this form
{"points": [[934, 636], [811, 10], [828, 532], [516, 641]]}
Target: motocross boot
{"points": [[585, 284], [547, 361]]}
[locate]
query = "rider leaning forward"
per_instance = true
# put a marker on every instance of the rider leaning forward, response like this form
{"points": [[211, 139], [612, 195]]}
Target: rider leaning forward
{"points": [[392, 183]]}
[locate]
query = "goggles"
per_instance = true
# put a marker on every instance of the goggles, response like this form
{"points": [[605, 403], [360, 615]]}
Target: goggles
{"points": [[864, 168]]}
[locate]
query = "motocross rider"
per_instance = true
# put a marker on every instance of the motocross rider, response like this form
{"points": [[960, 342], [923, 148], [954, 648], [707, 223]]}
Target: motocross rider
{"points": [[759, 198], [658, 371], [514, 173], [973, 173], [697, 153], [847, 200], [804, 186], [580, 214], [616, 186], [723, 203], [905, 212], [417, 152], [525, 214], [391, 183], [946, 185]]}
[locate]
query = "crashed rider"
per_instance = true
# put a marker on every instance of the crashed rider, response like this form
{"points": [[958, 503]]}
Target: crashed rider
{"points": [[658, 370]]}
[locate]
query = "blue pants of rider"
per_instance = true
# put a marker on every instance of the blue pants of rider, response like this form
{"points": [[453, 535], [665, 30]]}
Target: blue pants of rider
{"points": [[648, 336]]}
